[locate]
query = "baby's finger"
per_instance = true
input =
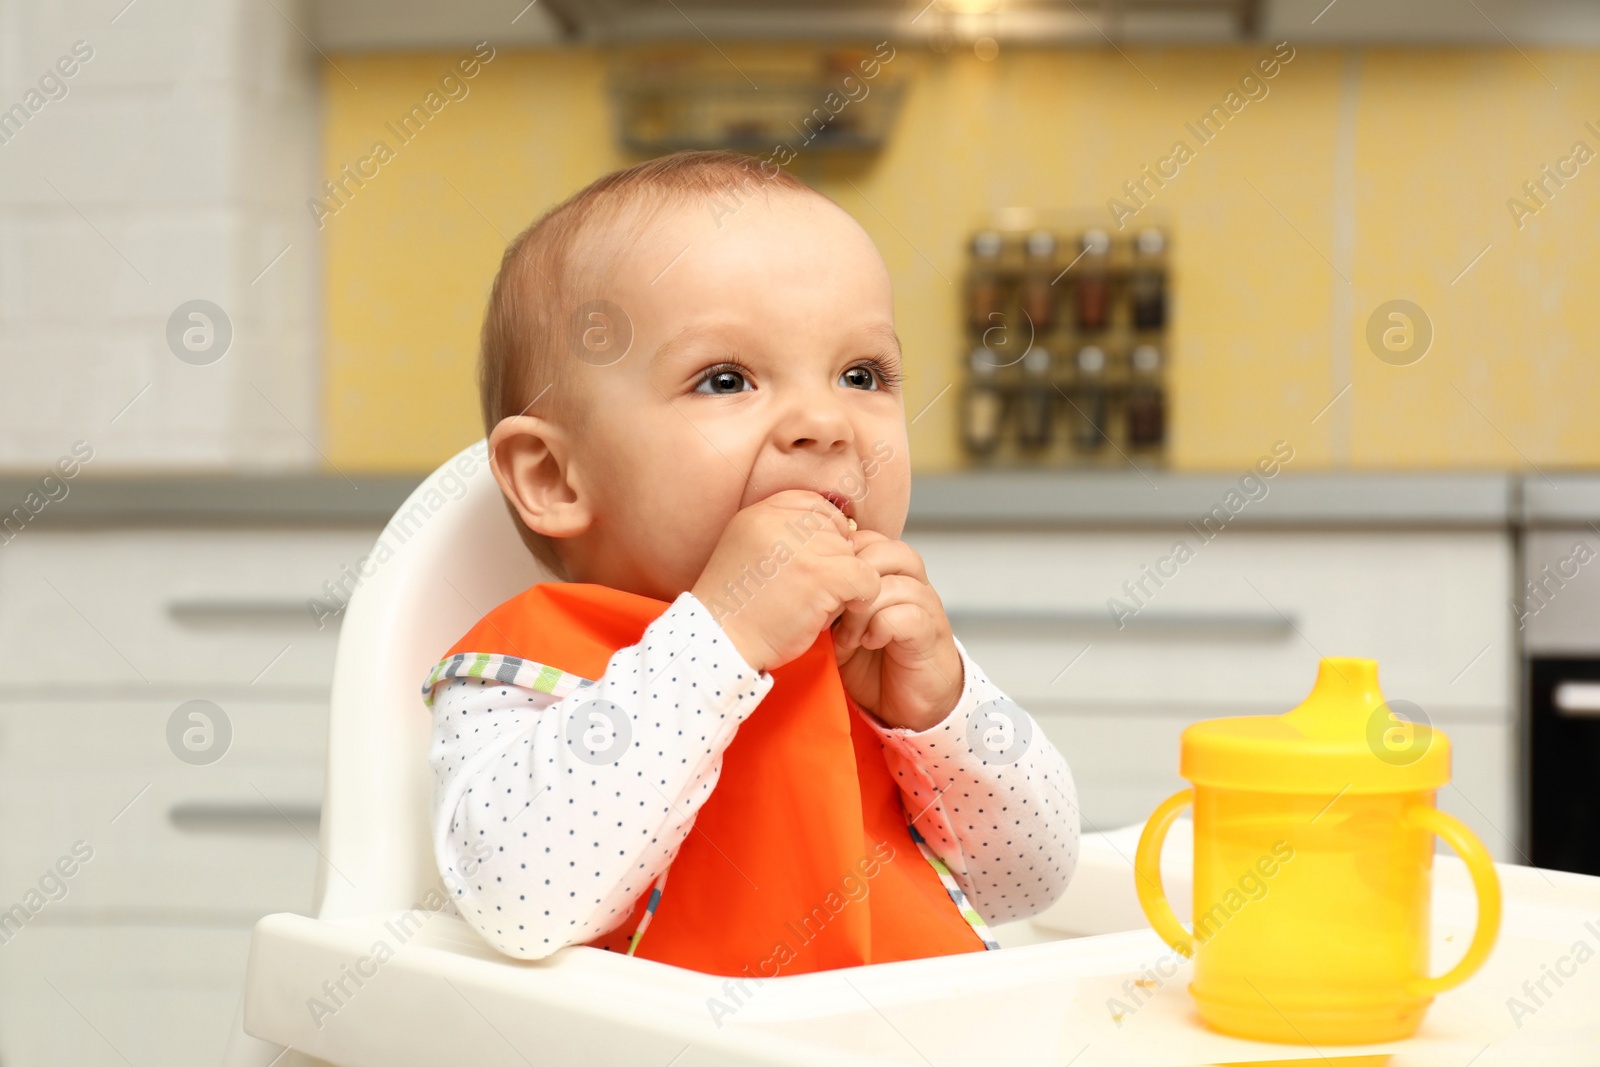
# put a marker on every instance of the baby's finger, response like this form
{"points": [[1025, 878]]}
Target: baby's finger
{"points": [[892, 557], [907, 625], [849, 624], [895, 589], [853, 582], [814, 503], [852, 621], [864, 536]]}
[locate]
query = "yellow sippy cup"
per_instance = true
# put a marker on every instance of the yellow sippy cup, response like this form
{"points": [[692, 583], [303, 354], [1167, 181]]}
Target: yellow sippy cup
{"points": [[1313, 858]]}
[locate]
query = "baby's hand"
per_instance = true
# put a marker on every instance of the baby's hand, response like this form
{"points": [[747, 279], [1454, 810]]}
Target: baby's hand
{"points": [[896, 654], [782, 571]]}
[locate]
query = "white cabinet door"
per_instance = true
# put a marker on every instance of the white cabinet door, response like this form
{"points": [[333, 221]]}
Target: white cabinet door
{"points": [[224, 842], [114, 995], [1240, 626], [1482, 789], [138, 843], [1237, 629], [1123, 765], [142, 608]]}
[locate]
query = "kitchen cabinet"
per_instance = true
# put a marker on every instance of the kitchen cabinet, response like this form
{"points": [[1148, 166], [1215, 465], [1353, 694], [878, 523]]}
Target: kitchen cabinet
{"points": [[1236, 629], [157, 993], [177, 838]]}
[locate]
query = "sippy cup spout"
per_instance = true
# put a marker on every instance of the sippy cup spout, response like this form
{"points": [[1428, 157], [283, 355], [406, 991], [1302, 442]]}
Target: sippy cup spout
{"points": [[1354, 674], [1344, 696]]}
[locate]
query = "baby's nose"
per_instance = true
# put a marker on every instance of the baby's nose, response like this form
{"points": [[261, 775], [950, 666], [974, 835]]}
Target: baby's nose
{"points": [[835, 435], [817, 425]]}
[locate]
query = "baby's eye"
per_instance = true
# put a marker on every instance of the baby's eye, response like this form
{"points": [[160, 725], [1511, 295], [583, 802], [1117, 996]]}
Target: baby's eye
{"points": [[860, 376], [723, 380]]}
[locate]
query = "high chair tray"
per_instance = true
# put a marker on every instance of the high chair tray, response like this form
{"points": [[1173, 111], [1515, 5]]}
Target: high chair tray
{"points": [[435, 994]]}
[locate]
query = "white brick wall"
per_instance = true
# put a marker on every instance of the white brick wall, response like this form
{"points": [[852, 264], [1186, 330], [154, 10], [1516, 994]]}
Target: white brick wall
{"points": [[189, 142]]}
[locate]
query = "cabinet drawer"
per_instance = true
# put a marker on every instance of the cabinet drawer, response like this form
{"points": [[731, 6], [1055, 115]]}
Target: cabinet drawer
{"points": [[1481, 791], [1122, 767], [1240, 625], [225, 842], [121, 995], [155, 606]]}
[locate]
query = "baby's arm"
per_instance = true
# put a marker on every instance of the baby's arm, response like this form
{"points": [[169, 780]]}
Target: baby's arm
{"points": [[541, 848], [1008, 831]]}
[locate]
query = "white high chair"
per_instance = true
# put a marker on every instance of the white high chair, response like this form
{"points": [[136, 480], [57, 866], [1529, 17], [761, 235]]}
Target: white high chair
{"points": [[385, 977], [456, 554]]}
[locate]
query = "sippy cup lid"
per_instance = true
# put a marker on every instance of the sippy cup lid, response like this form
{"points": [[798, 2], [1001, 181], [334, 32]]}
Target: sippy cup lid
{"points": [[1343, 737]]}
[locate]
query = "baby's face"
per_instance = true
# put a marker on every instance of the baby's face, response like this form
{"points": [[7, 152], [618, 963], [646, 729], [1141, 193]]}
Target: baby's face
{"points": [[763, 358]]}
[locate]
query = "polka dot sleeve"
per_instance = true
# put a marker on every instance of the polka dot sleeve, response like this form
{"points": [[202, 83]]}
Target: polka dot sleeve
{"points": [[993, 797], [551, 817]]}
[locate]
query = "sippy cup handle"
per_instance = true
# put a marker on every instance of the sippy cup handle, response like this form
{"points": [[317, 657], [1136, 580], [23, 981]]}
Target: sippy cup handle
{"points": [[1484, 880], [1147, 874]]}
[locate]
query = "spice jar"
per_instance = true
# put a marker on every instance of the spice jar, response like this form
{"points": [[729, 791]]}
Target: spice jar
{"points": [[1094, 284], [1038, 292], [1147, 284], [1036, 402], [982, 403], [985, 293], [1146, 399], [1091, 402]]}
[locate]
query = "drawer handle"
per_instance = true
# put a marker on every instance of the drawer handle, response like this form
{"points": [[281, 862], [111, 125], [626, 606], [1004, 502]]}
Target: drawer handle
{"points": [[1236, 625], [1578, 700], [196, 611], [223, 817]]}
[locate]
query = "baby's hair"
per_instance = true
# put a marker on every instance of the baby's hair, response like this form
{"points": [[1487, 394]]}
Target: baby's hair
{"points": [[558, 264]]}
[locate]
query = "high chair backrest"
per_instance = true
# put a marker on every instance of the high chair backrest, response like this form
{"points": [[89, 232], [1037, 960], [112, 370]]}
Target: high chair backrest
{"points": [[447, 556]]}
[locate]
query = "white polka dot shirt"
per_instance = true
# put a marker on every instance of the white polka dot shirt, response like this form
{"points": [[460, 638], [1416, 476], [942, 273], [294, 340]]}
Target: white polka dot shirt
{"points": [[552, 816]]}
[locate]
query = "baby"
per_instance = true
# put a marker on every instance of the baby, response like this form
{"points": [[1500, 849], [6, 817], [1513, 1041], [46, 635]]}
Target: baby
{"points": [[692, 386]]}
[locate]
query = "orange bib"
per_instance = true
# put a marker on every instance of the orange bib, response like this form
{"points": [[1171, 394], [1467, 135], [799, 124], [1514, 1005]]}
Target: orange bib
{"points": [[802, 858]]}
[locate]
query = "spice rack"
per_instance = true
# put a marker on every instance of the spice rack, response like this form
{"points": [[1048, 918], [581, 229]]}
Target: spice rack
{"points": [[1065, 360]]}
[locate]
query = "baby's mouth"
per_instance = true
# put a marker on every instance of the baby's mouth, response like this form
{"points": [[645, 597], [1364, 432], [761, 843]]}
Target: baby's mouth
{"points": [[843, 503]]}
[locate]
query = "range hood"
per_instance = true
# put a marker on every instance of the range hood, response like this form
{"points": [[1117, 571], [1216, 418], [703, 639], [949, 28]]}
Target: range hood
{"points": [[1035, 21], [414, 24]]}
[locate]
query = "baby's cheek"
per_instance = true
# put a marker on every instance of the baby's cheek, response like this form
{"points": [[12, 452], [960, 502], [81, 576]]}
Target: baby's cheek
{"points": [[888, 499], [695, 537]]}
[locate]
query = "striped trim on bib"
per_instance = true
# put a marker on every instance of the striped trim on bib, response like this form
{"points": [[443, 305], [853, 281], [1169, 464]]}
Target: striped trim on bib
{"points": [[511, 670], [968, 913]]}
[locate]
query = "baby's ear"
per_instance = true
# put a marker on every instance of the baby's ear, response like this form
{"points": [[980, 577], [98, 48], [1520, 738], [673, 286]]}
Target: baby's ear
{"points": [[530, 459]]}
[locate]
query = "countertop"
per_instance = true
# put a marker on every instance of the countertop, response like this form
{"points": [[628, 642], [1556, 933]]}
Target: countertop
{"points": [[969, 498]]}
